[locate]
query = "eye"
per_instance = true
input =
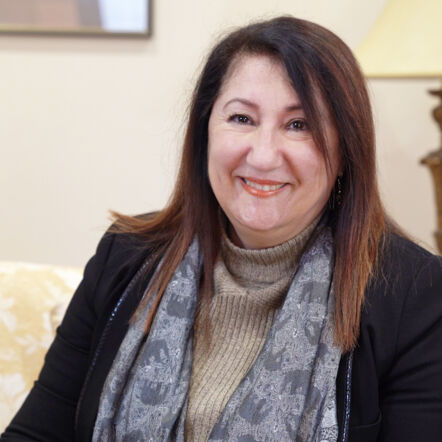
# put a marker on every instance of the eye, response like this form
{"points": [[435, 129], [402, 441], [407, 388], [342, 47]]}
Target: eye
{"points": [[240, 119], [298, 125]]}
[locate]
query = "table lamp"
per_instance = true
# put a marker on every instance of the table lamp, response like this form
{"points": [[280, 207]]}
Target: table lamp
{"points": [[406, 42]]}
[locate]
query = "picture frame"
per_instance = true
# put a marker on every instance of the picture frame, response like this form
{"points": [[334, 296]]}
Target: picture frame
{"points": [[128, 18]]}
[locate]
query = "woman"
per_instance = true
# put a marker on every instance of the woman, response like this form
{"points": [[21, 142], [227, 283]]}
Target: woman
{"points": [[271, 299]]}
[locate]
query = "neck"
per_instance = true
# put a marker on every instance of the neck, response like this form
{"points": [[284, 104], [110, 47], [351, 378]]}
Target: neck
{"points": [[263, 241]]}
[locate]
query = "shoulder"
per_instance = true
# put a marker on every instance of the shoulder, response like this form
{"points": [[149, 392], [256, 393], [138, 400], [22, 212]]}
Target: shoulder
{"points": [[399, 341], [404, 250], [406, 271], [118, 248], [397, 362], [404, 267], [118, 257], [403, 302]]}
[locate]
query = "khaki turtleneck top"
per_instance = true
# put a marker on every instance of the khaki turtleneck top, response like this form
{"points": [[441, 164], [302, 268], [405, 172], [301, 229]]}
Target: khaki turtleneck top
{"points": [[249, 288]]}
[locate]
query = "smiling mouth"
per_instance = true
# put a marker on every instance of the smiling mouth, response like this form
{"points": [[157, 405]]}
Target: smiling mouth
{"points": [[263, 188]]}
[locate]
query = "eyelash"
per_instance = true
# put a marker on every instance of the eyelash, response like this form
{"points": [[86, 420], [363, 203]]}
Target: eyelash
{"points": [[244, 119], [237, 118], [298, 121]]}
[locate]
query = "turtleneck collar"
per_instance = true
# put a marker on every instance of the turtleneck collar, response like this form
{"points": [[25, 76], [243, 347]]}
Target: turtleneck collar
{"points": [[265, 266]]}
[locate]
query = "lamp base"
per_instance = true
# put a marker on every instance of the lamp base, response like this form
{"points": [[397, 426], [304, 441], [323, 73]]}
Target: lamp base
{"points": [[434, 161], [438, 235]]}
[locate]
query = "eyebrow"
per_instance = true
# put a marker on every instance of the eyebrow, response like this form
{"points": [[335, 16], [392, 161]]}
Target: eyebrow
{"points": [[292, 107]]}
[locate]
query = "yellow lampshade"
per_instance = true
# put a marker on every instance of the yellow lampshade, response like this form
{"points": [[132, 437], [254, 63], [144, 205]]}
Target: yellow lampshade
{"points": [[406, 41]]}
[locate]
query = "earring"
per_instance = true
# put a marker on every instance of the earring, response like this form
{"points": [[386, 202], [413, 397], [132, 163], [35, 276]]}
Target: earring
{"points": [[338, 191]]}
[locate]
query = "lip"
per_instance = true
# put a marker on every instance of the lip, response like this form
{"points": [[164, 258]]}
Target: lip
{"points": [[260, 192], [263, 182]]}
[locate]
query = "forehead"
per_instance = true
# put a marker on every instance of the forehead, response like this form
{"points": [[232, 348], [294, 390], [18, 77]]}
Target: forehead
{"points": [[251, 73]]}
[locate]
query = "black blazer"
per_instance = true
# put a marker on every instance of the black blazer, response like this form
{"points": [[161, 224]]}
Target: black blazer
{"points": [[389, 389]]}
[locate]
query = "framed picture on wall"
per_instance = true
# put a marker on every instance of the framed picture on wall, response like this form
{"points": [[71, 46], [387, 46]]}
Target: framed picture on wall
{"points": [[72, 17]]}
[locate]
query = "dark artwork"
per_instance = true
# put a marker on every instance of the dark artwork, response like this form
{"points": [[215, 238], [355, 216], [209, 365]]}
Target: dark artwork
{"points": [[128, 17]]}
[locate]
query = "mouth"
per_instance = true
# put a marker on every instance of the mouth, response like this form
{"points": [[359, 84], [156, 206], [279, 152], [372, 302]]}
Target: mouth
{"points": [[261, 188]]}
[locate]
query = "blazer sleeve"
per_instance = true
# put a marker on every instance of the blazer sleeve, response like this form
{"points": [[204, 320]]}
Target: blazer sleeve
{"points": [[48, 413], [411, 393]]}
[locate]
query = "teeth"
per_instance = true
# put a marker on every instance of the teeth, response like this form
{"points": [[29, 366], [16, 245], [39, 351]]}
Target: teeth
{"points": [[265, 187]]}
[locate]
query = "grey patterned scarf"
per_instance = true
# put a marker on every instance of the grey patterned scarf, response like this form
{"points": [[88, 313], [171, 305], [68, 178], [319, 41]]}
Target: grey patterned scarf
{"points": [[289, 393]]}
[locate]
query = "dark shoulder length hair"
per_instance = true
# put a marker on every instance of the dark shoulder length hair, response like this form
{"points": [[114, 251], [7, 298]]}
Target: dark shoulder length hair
{"points": [[322, 69]]}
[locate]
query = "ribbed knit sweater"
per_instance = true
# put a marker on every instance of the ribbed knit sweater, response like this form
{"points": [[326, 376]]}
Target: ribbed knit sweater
{"points": [[249, 288]]}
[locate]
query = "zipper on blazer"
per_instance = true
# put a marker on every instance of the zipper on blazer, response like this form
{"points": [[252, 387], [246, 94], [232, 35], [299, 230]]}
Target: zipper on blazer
{"points": [[103, 338], [347, 397]]}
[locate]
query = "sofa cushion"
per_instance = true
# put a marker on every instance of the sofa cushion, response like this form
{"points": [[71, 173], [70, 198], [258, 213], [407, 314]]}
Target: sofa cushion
{"points": [[33, 299]]}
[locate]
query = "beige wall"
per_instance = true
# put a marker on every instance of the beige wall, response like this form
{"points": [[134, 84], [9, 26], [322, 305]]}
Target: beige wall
{"points": [[92, 124]]}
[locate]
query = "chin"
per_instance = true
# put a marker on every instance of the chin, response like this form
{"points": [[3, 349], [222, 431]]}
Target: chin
{"points": [[263, 223]]}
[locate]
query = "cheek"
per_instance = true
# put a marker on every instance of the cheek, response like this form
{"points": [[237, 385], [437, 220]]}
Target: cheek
{"points": [[211, 169], [307, 164], [218, 167], [212, 155], [311, 171], [223, 157], [216, 161]]}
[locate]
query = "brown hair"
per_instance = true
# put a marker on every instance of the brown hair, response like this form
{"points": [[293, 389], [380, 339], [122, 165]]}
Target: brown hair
{"points": [[316, 60]]}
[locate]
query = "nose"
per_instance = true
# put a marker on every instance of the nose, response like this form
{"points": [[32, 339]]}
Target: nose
{"points": [[264, 152]]}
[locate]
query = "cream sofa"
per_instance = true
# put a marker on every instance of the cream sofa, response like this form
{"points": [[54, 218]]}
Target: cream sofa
{"points": [[33, 299]]}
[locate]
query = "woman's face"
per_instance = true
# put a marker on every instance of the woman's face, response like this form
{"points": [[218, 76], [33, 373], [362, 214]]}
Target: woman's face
{"points": [[265, 170]]}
